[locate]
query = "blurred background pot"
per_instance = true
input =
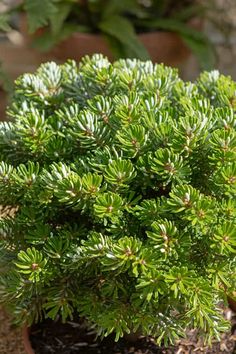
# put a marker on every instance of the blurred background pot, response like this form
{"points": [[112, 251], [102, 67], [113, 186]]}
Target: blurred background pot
{"points": [[163, 47]]}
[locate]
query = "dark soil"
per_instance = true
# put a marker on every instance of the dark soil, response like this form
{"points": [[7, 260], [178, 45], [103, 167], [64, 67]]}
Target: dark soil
{"points": [[74, 338]]}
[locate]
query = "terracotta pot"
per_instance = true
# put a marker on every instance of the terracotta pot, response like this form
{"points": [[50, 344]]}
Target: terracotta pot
{"points": [[26, 341], [132, 337], [232, 302]]}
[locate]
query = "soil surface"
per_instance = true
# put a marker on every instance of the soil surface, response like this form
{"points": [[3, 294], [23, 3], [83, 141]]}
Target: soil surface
{"points": [[74, 338]]}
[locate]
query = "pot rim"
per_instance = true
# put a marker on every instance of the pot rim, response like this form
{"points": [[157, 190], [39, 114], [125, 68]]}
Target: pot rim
{"points": [[26, 340]]}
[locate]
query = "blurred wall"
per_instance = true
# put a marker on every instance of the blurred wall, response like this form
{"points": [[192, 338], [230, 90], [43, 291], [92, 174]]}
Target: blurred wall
{"points": [[221, 29]]}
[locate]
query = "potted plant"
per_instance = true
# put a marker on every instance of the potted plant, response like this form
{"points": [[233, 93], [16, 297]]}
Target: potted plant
{"points": [[121, 181], [163, 30]]}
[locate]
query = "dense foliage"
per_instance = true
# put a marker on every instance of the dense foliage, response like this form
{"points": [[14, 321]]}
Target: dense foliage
{"points": [[118, 21], [117, 186]]}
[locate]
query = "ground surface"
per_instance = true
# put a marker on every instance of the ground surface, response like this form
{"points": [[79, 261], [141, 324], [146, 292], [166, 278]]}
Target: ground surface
{"points": [[10, 337]]}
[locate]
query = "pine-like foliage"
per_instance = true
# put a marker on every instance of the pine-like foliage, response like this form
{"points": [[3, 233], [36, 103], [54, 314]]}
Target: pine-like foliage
{"points": [[118, 183]]}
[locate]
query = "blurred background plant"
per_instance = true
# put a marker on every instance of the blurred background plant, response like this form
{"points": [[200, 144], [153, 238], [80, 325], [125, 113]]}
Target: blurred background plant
{"points": [[52, 21], [119, 22]]}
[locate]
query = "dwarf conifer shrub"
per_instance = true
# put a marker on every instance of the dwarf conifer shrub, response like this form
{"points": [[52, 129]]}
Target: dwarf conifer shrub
{"points": [[117, 186]]}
